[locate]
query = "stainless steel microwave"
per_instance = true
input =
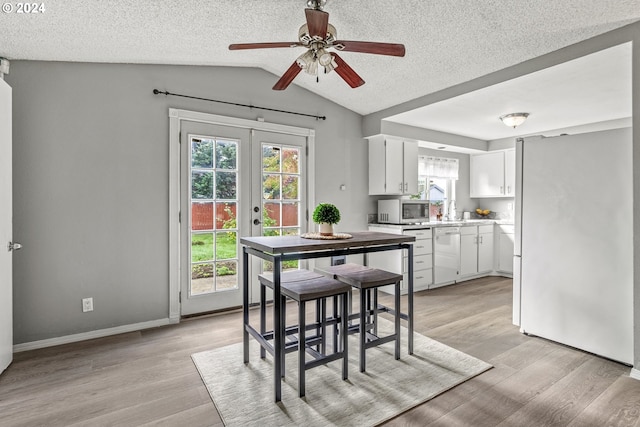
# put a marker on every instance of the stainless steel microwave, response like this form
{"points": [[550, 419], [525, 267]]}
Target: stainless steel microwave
{"points": [[403, 211]]}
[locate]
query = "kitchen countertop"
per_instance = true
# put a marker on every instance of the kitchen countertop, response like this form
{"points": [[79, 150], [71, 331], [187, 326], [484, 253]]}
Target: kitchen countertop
{"points": [[455, 223]]}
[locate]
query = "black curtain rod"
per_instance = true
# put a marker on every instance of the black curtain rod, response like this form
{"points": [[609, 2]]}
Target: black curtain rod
{"points": [[159, 92]]}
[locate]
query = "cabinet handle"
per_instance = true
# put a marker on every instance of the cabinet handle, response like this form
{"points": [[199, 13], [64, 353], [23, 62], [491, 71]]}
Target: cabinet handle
{"points": [[501, 189], [508, 189], [406, 186], [481, 239], [400, 186]]}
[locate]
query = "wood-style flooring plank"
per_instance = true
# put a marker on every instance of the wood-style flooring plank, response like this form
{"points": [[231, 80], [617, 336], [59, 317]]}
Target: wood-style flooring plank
{"points": [[571, 394], [148, 378], [618, 405]]}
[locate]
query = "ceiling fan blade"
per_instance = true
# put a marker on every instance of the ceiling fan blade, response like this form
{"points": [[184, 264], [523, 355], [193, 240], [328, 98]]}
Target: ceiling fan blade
{"points": [[241, 46], [348, 75], [287, 77], [392, 49], [317, 22]]}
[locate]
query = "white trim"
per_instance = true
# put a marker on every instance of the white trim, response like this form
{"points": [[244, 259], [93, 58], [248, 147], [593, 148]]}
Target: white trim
{"points": [[174, 213], [635, 373], [176, 116], [100, 333], [195, 116]]}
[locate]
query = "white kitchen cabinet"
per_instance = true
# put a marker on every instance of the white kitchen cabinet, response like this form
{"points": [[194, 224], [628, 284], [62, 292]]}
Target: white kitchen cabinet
{"points": [[397, 262], [468, 250], [476, 250], [485, 248], [393, 166], [492, 174], [505, 248], [510, 172]]}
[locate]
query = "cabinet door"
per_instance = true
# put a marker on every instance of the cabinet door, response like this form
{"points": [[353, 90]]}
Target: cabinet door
{"points": [[510, 172], [410, 163], [505, 260], [487, 175], [468, 254], [485, 252], [377, 161], [394, 170]]}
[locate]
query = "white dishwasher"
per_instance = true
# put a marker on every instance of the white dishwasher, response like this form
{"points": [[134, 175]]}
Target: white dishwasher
{"points": [[446, 254]]}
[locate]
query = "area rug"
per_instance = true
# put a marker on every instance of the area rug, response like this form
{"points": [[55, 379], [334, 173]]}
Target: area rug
{"points": [[244, 395]]}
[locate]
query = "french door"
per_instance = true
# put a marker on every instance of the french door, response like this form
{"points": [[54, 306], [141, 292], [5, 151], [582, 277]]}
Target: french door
{"points": [[235, 182], [279, 192]]}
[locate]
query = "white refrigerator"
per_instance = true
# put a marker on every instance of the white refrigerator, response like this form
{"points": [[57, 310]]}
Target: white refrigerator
{"points": [[573, 265]]}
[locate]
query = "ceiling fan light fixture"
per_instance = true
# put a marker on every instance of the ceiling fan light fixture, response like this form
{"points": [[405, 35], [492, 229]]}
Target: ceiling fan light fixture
{"points": [[312, 68], [514, 119], [305, 60], [324, 57]]}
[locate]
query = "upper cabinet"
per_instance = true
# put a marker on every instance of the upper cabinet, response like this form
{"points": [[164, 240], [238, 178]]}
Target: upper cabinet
{"points": [[393, 166], [493, 174]]}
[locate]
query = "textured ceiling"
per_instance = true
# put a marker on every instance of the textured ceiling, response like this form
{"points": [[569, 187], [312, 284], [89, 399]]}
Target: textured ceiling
{"points": [[591, 89], [447, 41]]}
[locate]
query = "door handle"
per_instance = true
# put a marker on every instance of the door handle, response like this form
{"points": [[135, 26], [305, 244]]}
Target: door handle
{"points": [[256, 222], [13, 246]]}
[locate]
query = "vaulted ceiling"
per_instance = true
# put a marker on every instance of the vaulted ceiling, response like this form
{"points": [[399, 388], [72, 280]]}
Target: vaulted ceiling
{"points": [[447, 41]]}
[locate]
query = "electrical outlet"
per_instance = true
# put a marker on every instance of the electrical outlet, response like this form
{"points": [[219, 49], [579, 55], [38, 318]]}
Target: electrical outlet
{"points": [[87, 304]]}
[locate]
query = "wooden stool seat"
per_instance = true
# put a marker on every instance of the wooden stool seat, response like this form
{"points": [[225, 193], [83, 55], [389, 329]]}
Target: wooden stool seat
{"points": [[315, 288], [369, 279], [266, 278], [359, 276], [303, 286]]}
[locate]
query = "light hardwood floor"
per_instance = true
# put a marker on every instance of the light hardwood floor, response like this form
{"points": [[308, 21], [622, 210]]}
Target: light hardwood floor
{"points": [[147, 377]]}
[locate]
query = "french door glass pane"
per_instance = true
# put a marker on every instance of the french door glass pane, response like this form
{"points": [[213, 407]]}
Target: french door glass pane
{"points": [[201, 215], [290, 187], [281, 194], [214, 207]]}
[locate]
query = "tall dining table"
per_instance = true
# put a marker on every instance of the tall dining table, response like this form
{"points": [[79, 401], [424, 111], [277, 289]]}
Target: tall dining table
{"points": [[278, 249]]}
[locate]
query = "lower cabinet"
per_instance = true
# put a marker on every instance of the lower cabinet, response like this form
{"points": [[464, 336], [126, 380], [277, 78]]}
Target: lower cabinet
{"points": [[505, 249], [476, 250], [397, 261], [484, 250]]}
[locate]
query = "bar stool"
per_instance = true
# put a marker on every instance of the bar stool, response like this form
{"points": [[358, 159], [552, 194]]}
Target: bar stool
{"points": [[266, 281], [314, 287], [368, 279]]}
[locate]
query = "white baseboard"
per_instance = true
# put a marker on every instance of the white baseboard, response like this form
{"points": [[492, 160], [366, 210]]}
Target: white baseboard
{"points": [[92, 334], [635, 373]]}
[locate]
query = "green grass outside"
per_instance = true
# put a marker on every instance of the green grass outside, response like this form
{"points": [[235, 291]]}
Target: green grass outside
{"points": [[202, 250], [202, 247]]}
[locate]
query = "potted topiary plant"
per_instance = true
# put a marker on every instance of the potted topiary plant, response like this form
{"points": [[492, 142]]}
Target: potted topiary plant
{"points": [[326, 214]]}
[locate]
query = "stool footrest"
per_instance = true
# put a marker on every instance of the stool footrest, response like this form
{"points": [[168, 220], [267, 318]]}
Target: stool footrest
{"points": [[324, 360]]}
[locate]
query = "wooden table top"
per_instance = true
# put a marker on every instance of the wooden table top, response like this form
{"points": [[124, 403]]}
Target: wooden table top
{"points": [[293, 244]]}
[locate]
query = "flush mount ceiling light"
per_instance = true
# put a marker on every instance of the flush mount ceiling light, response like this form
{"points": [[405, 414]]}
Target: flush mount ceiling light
{"points": [[514, 119]]}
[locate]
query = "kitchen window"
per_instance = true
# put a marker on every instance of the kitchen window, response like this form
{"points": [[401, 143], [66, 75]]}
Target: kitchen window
{"points": [[437, 183]]}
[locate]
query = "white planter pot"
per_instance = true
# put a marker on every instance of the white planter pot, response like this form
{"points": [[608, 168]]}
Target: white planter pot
{"points": [[326, 229]]}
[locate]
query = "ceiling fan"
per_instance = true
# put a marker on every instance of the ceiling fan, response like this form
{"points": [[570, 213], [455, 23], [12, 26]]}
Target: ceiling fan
{"points": [[317, 35]]}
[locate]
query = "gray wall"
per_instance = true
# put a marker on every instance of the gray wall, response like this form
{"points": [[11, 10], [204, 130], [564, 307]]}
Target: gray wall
{"points": [[91, 182]]}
